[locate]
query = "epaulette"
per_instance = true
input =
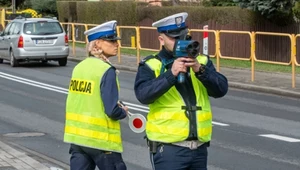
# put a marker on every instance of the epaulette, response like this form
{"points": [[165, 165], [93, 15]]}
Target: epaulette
{"points": [[148, 58]]}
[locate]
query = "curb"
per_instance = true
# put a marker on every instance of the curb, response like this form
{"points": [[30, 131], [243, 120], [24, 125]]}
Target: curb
{"points": [[263, 89], [236, 85], [41, 156], [74, 59], [32, 153]]}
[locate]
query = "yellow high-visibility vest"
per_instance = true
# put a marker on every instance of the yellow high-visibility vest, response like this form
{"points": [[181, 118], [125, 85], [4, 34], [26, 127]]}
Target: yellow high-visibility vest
{"points": [[86, 122], [167, 122]]}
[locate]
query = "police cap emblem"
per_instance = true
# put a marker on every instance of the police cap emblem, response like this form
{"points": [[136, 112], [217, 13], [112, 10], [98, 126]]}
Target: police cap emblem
{"points": [[178, 21]]}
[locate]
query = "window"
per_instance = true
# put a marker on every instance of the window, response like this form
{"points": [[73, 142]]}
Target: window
{"points": [[11, 29], [7, 29], [17, 29], [43, 28]]}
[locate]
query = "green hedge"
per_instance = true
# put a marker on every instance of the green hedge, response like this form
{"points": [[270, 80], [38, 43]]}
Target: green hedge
{"points": [[181, 3], [71, 0], [63, 10], [98, 12], [222, 15], [130, 13]]}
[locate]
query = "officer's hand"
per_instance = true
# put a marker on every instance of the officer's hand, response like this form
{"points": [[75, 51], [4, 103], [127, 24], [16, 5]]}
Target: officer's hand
{"points": [[178, 66], [126, 109], [193, 63], [123, 106]]}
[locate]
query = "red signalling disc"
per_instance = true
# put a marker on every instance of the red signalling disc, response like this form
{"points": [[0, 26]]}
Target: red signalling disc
{"points": [[137, 123]]}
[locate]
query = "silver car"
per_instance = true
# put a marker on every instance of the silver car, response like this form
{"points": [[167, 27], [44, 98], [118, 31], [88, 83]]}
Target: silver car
{"points": [[34, 39]]}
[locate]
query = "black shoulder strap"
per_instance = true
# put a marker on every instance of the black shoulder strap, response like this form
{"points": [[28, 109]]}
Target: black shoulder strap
{"points": [[148, 58]]}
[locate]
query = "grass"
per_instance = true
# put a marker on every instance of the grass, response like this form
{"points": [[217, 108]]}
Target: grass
{"points": [[78, 45], [259, 66], [223, 62], [231, 63]]}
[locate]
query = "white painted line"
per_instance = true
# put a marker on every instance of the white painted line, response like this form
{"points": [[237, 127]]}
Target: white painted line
{"points": [[219, 124], [65, 91], [283, 138], [35, 85], [31, 81], [55, 168]]}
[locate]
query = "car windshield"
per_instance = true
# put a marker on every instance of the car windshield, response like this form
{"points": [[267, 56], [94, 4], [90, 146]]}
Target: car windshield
{"points": [[42, 28]]}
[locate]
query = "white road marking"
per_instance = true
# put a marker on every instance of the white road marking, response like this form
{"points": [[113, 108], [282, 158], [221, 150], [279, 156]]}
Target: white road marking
{"points": [[65, 91], [219, 124], [278, 137], [31, 81], [36, 85], [55, 168]]}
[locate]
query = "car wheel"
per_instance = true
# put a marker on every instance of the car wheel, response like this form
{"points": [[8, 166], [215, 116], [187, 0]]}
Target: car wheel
{"points": [[1, 60], [63, 61], [13, 61]]}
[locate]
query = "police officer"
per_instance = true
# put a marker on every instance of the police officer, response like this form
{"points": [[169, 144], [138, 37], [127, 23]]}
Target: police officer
{"points": [[179, 123], [92, 110]]}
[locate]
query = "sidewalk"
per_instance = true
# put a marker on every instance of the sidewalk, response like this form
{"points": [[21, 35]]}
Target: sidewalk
{"points": [[275, 83], [13, 158]]}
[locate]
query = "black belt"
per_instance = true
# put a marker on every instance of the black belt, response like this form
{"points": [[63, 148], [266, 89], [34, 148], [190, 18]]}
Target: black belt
{"points": [[161, 143]]}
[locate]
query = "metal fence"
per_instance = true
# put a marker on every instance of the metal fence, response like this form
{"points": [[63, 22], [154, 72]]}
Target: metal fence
{"points": [[75, 34], [217, 37]]}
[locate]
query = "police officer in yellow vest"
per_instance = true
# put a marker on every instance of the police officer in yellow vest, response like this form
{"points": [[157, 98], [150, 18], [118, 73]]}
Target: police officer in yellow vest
{"points": [[179, 123], [92, 111]]}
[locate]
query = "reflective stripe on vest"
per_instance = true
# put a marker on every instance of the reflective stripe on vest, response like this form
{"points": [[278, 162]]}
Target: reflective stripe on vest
{"points": [[86, 121], [167, 122]]}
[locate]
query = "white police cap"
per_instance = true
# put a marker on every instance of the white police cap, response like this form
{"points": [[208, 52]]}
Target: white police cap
{"points": [[106, 31], [172, 25]]}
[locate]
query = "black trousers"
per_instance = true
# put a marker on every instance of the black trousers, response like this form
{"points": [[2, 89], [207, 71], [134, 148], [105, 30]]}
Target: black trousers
{"points": [[172, 157], [84, 158]]}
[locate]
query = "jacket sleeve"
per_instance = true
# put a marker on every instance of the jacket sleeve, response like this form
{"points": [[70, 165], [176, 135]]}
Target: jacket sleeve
{"points": [[215, 83], [110, 95], [148, 88]]}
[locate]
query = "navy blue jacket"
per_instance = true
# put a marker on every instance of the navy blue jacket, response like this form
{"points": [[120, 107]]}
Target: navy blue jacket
{"points": [[148, 88], [110, 95]]}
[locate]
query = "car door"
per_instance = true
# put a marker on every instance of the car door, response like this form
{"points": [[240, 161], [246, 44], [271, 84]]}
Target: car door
{"points": [[14, 36], [3, 46], [8, 38]]}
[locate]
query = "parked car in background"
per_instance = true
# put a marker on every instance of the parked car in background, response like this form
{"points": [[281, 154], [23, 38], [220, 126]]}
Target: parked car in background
{"points": [[34, 39]]}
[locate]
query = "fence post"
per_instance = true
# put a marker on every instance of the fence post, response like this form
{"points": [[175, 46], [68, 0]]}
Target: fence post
{"points": [[73, 40], [119, 46], [138, 45], [218, 50], [86, 40], [252, 55], [3, 18], [293, 59], [133, 41]]}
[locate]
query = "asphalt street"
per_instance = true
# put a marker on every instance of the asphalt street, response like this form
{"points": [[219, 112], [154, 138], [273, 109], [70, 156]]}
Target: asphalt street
{"points": [[251, 131]]}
